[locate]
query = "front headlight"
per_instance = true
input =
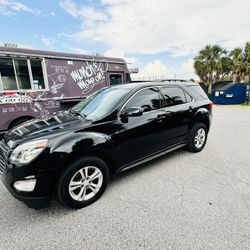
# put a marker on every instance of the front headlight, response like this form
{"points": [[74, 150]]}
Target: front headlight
{"points": [[27, 152]]}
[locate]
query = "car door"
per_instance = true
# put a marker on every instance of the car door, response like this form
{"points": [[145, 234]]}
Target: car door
{"points": [[140, 136], [178, 105]]}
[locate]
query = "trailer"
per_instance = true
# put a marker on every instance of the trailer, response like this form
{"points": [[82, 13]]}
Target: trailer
{"points": [[34, 83]]}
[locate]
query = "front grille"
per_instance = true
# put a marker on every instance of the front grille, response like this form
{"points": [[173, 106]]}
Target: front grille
{"points": [[3, 154]]}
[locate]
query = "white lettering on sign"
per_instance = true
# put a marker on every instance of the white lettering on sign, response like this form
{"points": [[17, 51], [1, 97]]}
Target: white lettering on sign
{"points": [[15, 99], [88, 76]]}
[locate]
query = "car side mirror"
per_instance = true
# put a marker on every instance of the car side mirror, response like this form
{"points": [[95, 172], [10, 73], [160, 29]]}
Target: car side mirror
{"points": [[131, 112]]}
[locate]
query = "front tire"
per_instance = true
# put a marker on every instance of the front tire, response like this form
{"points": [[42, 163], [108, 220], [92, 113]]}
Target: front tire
{"points": [[83, 182], [198, 138]]}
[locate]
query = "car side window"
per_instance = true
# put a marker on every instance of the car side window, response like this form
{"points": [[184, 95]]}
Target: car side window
{"points": [[147, 99], [173, 96]]}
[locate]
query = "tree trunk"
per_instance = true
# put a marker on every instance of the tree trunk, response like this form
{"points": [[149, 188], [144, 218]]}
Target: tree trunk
{"points": [[210, 84], [210, 88]]}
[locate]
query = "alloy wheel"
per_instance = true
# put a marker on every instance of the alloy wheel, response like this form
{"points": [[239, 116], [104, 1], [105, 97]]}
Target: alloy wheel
{"points": [[85, 183], [200, 138]]}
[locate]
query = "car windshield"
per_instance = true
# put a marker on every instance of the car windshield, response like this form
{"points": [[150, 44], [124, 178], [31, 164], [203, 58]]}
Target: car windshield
{"points": [[100, 103]]}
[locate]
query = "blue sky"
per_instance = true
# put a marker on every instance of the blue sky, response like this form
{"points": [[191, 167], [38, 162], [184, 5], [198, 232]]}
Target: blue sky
{"points": [[160, 37]]}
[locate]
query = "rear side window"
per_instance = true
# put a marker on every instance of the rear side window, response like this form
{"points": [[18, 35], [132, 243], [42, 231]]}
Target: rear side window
{"points": [[198, 92], [173, 96]]}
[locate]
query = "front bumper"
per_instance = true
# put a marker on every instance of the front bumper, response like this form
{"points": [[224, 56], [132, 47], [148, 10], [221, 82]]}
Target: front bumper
{"points": [[40, 196], [32, 202]]}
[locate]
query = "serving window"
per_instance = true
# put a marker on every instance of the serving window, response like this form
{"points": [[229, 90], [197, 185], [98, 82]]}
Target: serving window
{"points": [[22, 74]]}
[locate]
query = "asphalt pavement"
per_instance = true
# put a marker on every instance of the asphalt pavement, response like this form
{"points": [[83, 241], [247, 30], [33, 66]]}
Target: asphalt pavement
{"points": [[179, 201]]}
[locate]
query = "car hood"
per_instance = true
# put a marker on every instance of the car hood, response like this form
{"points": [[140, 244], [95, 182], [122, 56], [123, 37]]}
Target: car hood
{"points": [[46, 126]]}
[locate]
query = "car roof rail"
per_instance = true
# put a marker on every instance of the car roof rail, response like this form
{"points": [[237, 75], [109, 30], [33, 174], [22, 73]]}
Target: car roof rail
{"points": [[171, 80]]}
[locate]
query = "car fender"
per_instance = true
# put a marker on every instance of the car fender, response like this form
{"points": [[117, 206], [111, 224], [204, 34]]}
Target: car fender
{"points": [[80, 142], [201, 115]]}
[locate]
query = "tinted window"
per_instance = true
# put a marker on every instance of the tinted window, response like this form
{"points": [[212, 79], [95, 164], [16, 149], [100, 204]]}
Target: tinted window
{"points": [[173, 96], [147, 99], [115, 79], [198, 92]]}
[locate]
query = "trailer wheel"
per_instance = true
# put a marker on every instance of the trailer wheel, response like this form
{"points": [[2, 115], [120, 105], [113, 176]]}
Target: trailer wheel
{"points": [[19, 121]]}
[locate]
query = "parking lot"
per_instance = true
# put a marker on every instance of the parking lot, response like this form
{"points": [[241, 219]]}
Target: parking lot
{"points": [[180, 201]]}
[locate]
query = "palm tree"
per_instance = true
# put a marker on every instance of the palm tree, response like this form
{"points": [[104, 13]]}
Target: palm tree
{"points": [[208, 64], [246, 61], [237, 59]]}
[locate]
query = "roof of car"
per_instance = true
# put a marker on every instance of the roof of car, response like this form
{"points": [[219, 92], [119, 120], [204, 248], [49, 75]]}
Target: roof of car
{"points": [[137, 85]]}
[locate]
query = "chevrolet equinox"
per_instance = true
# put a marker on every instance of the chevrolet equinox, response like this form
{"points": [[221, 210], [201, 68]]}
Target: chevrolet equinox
{"points": [[74, 153]]}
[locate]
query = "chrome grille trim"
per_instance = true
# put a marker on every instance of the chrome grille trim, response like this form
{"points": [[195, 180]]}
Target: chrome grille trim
{"points": [[3, 153]]}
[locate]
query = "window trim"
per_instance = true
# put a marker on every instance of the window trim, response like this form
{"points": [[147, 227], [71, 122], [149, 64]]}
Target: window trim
{"points": [[30, 76], [44, 70], [14, 67], [186, 93], [1, 83], [150, 87]]}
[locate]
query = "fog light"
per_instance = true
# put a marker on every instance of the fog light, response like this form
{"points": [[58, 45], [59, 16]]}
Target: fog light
{"points": [[27, 185]]}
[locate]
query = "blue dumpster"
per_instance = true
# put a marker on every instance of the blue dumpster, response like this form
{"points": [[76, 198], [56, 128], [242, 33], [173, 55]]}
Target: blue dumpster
{"points": [[229, 93]]}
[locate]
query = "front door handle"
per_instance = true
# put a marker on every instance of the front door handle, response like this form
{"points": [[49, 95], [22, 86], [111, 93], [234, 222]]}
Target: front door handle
{"points": [[162, 117], [191, 108]]}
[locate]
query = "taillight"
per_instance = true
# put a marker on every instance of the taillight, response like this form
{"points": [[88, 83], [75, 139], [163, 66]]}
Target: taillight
{"points": [[211, 105]]}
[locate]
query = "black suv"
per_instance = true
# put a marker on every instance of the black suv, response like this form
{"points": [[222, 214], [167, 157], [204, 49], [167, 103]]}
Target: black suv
{"points": [[75, 153]]}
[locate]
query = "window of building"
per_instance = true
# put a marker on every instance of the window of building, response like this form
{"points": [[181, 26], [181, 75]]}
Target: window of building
{"points": [[7, 75], [147, 99], [173, 96], [21, 74], [37, 73], [115, 79]]}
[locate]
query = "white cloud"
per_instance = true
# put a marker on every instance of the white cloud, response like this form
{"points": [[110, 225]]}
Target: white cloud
{"points": [[25, 46], [111, 2], [158, 70], [9, 8], [179, 27], [186, 71], [89, 14], [119, 54], [48, 42], [76, 50]]}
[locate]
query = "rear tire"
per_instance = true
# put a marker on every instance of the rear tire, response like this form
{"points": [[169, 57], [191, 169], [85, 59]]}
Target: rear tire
{"points": [[197, 138], [18, 122], [83, 182]]}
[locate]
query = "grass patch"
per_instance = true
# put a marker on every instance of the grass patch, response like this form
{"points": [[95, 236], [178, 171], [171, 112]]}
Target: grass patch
{"points": [[246, 104]]}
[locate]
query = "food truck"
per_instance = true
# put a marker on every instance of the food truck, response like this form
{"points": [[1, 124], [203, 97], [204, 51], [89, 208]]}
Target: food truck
{"points": [[34, 83]]}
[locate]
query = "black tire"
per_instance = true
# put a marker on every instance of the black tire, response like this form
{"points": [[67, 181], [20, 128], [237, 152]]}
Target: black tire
{"points": [[191, 146], [67, 175], [18, 122]]}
